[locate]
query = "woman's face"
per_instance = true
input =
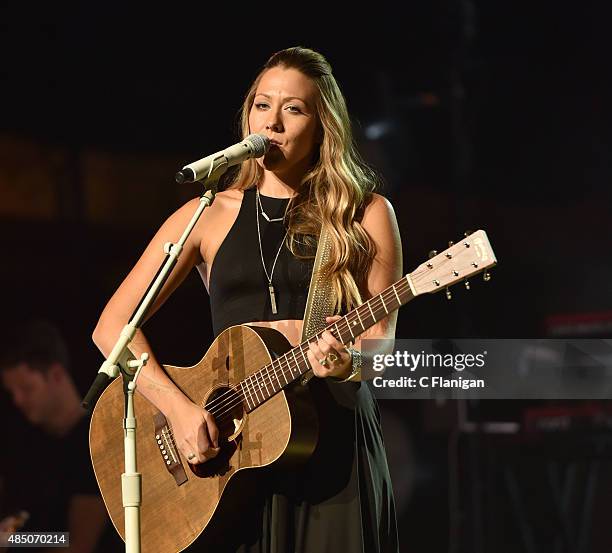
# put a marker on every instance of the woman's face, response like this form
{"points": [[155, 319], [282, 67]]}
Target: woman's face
{"points": [[284, 109]]}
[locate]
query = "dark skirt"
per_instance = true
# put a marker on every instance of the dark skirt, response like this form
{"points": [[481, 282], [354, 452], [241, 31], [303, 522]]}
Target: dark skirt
{"points": [[341, 500]]}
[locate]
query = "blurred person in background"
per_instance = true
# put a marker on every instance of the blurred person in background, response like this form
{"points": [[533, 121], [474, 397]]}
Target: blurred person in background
{"points": [[34, 370]]}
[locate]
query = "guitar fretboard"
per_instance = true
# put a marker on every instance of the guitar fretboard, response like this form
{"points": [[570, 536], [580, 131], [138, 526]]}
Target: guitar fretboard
{"points": [[269, 380]]}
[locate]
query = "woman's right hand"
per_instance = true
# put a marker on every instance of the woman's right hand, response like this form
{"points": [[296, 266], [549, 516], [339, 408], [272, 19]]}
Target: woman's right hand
{"points": [[195, 432]]}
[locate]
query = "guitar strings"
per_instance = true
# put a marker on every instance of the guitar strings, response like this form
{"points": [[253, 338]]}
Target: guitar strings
{"points": [[264, 373], [263, 376], [260, 376]]}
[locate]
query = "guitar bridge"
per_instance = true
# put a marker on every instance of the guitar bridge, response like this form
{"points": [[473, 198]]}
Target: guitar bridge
{"points": [[167, 449]]}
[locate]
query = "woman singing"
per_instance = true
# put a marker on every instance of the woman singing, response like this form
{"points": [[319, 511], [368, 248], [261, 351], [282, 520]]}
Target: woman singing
{"points": [[254, 249]]}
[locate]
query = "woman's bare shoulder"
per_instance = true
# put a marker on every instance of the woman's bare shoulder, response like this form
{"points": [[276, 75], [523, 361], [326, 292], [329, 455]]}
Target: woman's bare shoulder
{"points": [[231, 194], [380, 222], [226, 198], [224, 203], [377, 208]]}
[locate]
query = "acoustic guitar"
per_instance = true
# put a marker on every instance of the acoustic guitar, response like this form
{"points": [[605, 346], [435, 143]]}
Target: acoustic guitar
{"points": [[249, 381]]}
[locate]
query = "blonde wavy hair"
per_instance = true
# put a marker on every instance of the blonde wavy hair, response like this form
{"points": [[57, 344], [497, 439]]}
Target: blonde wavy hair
{"points": [[334, 191]]}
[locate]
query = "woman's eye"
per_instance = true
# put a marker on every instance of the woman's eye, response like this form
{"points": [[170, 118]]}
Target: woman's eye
{"points": [[294, 109], [261, 106]]}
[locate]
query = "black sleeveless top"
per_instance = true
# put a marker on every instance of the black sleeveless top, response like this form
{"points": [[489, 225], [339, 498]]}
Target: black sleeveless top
{"points": [[238, 285]]}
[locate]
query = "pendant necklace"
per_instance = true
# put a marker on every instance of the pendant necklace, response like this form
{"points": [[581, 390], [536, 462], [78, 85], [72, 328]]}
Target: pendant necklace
{"points": [[268, 276], [265, 215]]}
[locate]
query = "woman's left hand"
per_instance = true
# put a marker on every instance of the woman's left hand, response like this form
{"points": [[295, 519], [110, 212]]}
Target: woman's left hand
{"points": [[337, 360]]}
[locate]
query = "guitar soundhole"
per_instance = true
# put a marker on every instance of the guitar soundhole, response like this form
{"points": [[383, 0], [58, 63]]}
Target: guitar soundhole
{"points": [[227, 408]]}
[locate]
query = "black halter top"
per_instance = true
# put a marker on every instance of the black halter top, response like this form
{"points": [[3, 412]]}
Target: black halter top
{"points": [[238, 285]]}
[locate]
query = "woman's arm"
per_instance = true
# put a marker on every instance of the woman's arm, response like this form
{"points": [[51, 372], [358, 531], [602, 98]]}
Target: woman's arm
{"points": [[380, 223], [193, 427]]}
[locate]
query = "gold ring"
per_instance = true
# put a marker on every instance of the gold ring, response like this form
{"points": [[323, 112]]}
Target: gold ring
{"points": [[191, 456], [332, 357]]}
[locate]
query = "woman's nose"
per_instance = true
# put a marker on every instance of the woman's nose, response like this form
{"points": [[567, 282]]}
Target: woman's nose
{"points": [[274, 122]]}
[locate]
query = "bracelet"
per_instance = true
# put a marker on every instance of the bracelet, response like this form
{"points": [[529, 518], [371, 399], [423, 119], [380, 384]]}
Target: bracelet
{"points": [[357, 362]]}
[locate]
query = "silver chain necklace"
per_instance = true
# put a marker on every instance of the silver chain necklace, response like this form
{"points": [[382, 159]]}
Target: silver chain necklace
{"points": [[265, 215], [268, 276]]}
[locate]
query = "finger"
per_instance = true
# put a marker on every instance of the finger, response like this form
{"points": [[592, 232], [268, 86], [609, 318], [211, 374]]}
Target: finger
{"points": [[211, 452], [190, 454], [213, 430], [324, 347], [316, 350], [317, 368], [325, 343], [334, 344], [327, 349], [332, 320], [186, 447], [203, 442]]}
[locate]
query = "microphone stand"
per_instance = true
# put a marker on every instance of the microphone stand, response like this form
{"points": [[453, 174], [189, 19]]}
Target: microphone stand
{"points": [[121, 360]]}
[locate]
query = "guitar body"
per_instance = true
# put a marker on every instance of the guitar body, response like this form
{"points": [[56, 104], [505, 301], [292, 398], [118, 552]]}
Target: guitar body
{"points": [[179, 500]]}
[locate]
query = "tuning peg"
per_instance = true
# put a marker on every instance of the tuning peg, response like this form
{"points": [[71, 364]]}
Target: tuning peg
{"points": [[432, 253], [450, 243], [449, 296], [467, 233], [486, 276], [467, 284]]}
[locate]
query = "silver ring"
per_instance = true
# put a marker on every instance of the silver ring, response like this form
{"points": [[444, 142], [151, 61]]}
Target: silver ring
{"points": [[323, 362], [191, 456]]}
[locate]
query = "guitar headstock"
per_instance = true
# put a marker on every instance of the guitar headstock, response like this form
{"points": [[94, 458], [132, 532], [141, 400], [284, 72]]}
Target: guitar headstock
{"points": [[469, 256]]}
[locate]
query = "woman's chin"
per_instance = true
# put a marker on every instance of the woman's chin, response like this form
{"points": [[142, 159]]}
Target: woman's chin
{"points": [[273, 160]]}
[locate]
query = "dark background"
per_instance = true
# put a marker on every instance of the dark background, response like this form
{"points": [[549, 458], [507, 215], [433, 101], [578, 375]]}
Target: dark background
{"points": [[492, 115]]}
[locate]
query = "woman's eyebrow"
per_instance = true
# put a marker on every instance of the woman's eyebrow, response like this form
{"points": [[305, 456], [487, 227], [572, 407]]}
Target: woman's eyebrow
{"points": [[284, 99]]}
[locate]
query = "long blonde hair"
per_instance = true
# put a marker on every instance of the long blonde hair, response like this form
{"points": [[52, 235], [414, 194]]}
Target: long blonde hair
{"points": [[335, 190]]}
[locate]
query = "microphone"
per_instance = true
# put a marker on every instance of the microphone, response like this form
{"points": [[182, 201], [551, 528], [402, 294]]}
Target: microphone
{"points": [[254, 145]]}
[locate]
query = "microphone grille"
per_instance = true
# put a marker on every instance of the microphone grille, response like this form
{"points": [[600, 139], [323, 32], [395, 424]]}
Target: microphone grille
{"points": [[259, 143]]}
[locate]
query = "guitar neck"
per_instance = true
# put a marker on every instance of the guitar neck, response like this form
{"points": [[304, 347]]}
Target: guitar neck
{"points": [[263, 384], [471, 255]]}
